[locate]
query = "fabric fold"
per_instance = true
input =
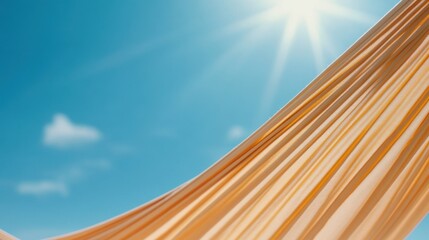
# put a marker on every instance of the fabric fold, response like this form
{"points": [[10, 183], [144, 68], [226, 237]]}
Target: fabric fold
{"points": [[347, 158]]}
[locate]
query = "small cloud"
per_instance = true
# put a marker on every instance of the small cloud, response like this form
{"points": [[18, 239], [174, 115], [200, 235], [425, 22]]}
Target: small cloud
{"points": [[235, 133], [62, 133], [122, 149], [164, 132], [41, 188], [98, 164], [79, 172], [61, 182]]}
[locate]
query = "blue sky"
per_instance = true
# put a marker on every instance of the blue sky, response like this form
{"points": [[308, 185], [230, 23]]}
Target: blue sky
{"points": [[105, 105]]}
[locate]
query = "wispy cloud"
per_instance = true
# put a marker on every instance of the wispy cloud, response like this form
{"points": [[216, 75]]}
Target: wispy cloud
{"points": [[164, 132], [60, 183], [235, 133], [113, 60], [79, 172], [40, 188], [62, 133], [122, 149], [121, 56]]}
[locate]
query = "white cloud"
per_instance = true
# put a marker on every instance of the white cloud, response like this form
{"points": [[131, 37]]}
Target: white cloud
{"points": [[98, 164], [164, 132], [235, 133], [63, 179], [63, 133], [40, 188], [122, 149], [81, 171]]}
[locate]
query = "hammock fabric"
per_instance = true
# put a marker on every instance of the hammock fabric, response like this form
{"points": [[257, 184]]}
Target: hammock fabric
{"points": [[5, 236], [348, 158]]}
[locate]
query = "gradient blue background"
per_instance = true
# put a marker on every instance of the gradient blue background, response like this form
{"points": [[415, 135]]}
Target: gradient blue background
{"points": [[159, 79]]}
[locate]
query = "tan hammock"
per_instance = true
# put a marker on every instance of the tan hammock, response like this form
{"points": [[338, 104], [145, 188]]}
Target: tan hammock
{"points": [[348, 158], [5, 236]]}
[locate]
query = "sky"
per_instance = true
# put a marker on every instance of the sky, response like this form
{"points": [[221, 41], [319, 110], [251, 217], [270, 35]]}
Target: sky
{"points": [[105, 105]]}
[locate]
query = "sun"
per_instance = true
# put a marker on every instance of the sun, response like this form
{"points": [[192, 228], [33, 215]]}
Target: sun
{"points": [[300, 9], [294, 16], [304, 14], [308, 15]]}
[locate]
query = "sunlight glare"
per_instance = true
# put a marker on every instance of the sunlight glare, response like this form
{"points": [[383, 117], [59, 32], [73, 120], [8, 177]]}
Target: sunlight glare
{"points": [[295, 15], [300, 9]]}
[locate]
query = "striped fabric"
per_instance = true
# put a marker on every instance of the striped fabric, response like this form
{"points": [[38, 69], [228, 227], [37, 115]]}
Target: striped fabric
{"points": [[5, 236], [348, 158]]}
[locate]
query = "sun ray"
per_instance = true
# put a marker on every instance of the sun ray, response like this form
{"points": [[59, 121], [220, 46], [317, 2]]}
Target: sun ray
{"points": [[258, 20], [295, 13], [309, 13], [314, 32], [236, 53], [329, 46], [279, 63], [347, 13]]}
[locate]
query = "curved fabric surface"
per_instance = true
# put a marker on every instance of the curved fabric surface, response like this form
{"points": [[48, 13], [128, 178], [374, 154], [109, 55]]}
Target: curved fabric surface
{"points": [[5, 236], [348, 158]]}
